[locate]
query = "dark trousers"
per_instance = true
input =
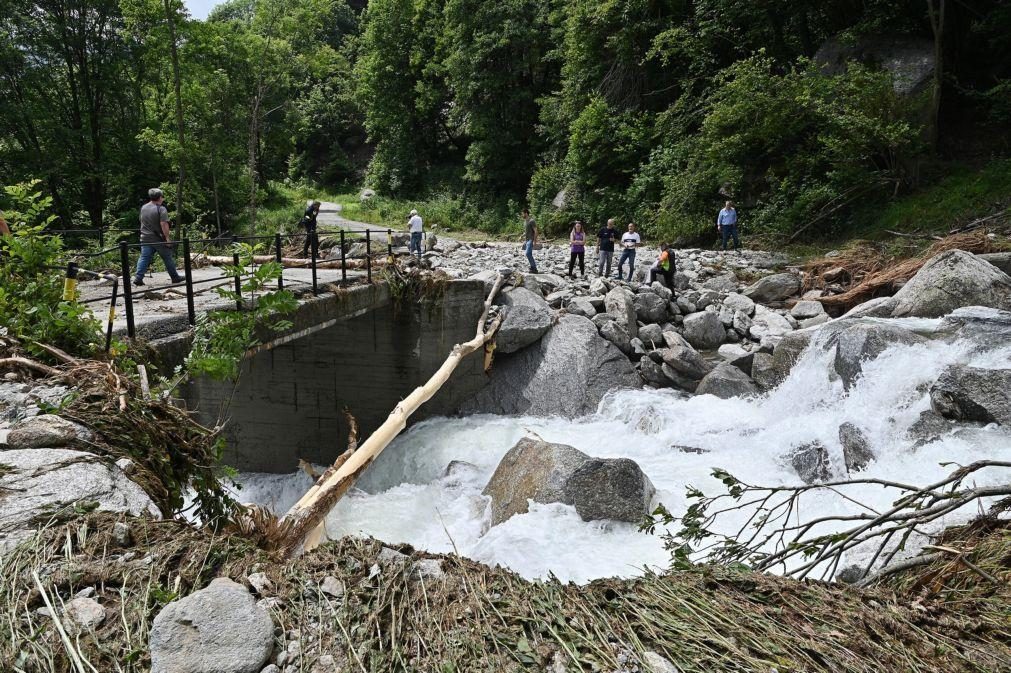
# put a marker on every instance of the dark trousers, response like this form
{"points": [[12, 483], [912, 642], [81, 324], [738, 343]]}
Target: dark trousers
{"points": [[668, 276], [573, 256], [728, 230], [309, 233]]}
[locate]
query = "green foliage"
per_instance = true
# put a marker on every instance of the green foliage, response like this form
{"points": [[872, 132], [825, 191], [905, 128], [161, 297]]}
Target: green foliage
{"points": [[32, 305], [222, 337]]}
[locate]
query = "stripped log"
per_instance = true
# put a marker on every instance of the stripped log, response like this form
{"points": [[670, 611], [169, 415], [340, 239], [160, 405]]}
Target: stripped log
{"points": [[290, 262], [301, 529]]}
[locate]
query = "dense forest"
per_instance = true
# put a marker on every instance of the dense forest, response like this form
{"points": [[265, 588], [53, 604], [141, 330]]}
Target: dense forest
{"points": [[804, 112]]}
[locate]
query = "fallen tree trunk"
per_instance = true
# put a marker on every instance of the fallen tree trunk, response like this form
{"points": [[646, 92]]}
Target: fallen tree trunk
{"points": [[290, 262], [301, 528]]}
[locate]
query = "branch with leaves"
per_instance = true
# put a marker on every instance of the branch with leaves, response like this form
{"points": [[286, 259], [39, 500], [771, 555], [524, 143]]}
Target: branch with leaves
{"points": [[774, 537]]}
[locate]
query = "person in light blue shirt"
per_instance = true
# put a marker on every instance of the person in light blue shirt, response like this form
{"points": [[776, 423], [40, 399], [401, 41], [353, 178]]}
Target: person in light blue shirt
{"points": [[726, 224]]}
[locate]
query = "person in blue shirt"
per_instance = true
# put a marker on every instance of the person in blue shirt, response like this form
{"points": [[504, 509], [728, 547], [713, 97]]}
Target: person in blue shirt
{"points": [[726, 224]]}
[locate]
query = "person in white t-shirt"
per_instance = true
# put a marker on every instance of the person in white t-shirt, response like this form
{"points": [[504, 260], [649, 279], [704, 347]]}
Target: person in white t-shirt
{"points": [[414, 225], [630, 240]]}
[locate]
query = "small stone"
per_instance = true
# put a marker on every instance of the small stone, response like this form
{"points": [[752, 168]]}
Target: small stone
{"points": [[654, 663], [126, 465], [271, 603], [388, 557], [86, 592], [428, 569], [271, 668], [85, 613], [332, 586], [121, 534], [261, 583], [806, 309], [294, 650], [281, 659]]}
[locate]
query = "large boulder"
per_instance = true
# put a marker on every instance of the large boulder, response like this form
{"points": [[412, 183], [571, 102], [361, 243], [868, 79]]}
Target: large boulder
{"points": [[811, 461], [682, 358], [531, 470], [651, 336], [878, 307], [566, 373], [620, 303], [38, 481], [768, 323], [610, 488], [581, 306], [967, 393], [806, 309], [1001, 260], [862, 342], [650, 307], [909, 59], [739, 302], [46, 431], [652, 373], [786, 354], [616, 335], [704, 331], [952, 280], [776, 287], [527, 318], [727, 381], [856, 448], [218, 629], [762, 371]]}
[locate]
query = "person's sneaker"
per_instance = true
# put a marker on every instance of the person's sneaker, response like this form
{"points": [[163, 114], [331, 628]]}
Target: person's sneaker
{"points": [[176, 281], [138, 283]]}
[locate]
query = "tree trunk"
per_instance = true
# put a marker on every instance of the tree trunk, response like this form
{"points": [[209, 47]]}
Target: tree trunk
{"points": [[301, 528], [180, 129]]}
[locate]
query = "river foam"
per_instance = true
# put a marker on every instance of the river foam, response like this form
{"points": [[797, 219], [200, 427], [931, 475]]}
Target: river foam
{"points": [[407, 495]]}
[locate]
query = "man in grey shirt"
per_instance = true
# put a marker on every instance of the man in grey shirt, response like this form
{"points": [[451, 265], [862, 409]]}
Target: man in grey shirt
{"points": [[154, 237]]}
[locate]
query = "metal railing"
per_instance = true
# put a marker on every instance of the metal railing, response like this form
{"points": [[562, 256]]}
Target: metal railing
{"points": [[126, 264]]}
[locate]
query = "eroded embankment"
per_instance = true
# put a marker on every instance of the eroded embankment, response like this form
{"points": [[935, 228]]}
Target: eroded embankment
{"points": [[381, 612]]}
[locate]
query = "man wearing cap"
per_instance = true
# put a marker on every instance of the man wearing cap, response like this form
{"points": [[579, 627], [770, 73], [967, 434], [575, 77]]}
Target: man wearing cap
{"points": [[414, 225], [154, 237]]}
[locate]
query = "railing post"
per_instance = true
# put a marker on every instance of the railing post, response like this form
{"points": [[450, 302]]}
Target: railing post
{"points": [[368, 254], [344, 268], [101, 238], [389, 243], [191, 313], [238, 275], [112, 313], [313, 251], [70, 282], [277, 257], [124, 261]]}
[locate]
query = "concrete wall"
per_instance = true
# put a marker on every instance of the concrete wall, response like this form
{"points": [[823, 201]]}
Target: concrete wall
{"points": [[289, 399]]}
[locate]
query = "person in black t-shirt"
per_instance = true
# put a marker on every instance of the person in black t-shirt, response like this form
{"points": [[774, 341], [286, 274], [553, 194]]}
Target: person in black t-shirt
{"points": [[605, 246]]}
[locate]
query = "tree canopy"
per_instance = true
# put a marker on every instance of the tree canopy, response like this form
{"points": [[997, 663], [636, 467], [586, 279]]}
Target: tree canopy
{"points": [[652, 110]]}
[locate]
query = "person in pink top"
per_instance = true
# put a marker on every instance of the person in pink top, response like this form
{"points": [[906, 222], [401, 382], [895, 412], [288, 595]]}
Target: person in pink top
{"points": [[577, 247]]}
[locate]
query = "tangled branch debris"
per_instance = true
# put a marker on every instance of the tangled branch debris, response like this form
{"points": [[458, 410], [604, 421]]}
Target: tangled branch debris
{"points": [[873, 274], [471, 617], [775, 537], [170, 451]]}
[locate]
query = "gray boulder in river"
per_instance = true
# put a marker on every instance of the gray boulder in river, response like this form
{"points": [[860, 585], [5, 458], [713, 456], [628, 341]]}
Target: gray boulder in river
{"points": [[544, 472], [862, 342], [950, 281], [566, 373], [727, 381], [972, 394], [527, 318]]}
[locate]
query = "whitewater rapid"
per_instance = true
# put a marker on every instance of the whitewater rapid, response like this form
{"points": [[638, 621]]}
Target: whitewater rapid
{"points": [[409, 497]]}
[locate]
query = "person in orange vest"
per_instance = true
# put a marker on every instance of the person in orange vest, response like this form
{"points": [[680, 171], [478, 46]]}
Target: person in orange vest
{"points": [[664, 265]]}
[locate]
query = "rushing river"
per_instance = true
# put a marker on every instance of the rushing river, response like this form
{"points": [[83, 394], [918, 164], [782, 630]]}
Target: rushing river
{"points": [[408, 495]]}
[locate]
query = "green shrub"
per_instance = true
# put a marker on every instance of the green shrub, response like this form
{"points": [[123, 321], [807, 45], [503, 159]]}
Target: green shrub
{"points": [[32, 305]]}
